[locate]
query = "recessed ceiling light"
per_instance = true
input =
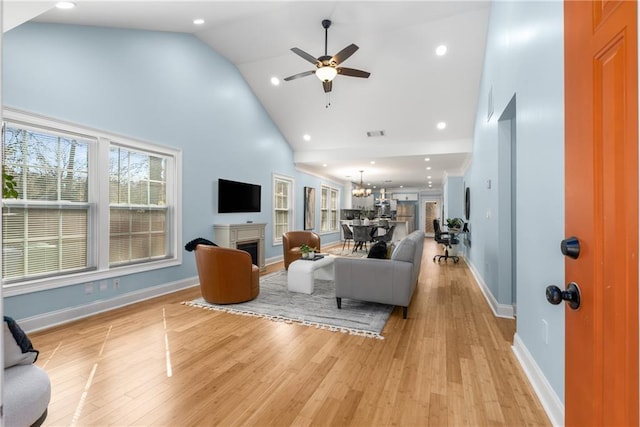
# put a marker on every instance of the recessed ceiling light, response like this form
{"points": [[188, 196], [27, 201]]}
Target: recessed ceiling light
{"points": [[441, 50], [430, 182], [198, 21], [426, 159], [306, 137], [402, 186], [275, 81], [429, 177], [324, 165], [441, 125], [373, 162], [428, 168], [429, 185], [65, 5]]}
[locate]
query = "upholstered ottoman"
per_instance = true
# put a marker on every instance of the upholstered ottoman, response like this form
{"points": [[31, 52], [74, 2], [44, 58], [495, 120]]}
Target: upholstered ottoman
{"points": [[302, 273]]}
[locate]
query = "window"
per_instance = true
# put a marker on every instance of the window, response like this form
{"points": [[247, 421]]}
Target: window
{"points": [[44, 231], [90, 205], [328, 209], [138, 206], [282, 206]]}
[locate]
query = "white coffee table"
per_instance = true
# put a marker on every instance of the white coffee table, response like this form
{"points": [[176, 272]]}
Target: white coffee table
{"points": [[302, 273]]}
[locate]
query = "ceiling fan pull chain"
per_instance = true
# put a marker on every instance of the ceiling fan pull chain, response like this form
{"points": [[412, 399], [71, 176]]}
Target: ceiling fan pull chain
{"points": [[328, 100]]}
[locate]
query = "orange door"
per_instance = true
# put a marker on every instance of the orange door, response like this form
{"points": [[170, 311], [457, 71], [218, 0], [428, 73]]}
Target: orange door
{"points": [[601, 203]]}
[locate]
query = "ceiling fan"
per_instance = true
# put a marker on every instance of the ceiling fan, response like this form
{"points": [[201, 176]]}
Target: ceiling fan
{"points": [[327, 66]]}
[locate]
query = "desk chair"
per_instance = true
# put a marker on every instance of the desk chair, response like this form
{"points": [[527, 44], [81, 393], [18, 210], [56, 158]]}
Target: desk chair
{"points": [[446, 239]]}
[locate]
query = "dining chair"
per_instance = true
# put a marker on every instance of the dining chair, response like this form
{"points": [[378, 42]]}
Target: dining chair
{"points": [[361, 236], [347, 235]]}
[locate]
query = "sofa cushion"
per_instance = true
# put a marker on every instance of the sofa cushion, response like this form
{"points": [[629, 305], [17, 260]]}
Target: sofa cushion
{"points": [[404, 251], [18, 349]]}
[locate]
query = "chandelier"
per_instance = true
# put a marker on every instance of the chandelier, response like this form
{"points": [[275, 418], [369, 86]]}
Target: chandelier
{"points": [[360, 191]]}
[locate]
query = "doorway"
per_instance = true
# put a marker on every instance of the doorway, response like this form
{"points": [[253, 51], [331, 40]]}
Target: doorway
{"points": [[507, 203], [430, 213]]}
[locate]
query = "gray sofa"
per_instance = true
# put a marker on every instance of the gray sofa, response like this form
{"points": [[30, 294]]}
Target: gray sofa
{"points": [[387, 281]]}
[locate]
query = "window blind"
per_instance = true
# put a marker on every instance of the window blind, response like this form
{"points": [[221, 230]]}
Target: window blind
{"points": [[45, 229]]}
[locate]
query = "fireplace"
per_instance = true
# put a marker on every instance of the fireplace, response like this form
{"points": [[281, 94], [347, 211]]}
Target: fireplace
{"points": [[252, 248], [247, 237]]}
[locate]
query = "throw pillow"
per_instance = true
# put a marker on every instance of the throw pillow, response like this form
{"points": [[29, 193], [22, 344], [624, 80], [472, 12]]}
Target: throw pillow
{"points": [[18, 349], [199, 241], [378, 250]]}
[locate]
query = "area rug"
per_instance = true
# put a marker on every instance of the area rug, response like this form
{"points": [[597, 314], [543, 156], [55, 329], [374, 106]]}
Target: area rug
{"points": [[319, 309], [347, 252]]}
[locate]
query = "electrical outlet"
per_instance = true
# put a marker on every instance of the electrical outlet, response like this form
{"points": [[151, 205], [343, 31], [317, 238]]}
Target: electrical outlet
{"points": [[545, 331], [116, 283], [88, 288], [104, 285]]}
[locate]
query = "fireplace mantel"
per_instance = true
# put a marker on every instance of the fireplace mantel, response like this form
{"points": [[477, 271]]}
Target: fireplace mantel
{"points": [[230, 235]]}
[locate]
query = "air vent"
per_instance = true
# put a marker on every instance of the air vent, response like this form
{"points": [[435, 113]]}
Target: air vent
{"points": [[375, 133]]}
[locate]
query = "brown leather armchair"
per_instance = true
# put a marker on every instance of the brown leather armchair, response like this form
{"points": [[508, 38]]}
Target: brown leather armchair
{"points": [[291, 242], [226, 275]]}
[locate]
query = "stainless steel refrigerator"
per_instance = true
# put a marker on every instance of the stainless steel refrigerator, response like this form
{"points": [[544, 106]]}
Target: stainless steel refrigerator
{"points": [[407, 212]]}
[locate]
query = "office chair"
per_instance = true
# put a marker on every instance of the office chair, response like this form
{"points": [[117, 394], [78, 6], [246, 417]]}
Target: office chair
{"points": [[446, 239]]}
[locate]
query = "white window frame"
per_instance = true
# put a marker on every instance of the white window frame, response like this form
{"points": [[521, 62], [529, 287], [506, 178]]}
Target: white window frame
{"points": [[330, 189], [277, 239], [98, 247]]}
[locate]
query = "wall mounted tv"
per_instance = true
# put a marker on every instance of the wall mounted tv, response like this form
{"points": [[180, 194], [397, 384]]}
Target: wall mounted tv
{"points": [[236, 196]]}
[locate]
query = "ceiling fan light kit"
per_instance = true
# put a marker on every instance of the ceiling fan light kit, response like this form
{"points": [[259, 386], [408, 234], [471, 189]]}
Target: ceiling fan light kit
{"points": [[327, 66], [326, 74]]}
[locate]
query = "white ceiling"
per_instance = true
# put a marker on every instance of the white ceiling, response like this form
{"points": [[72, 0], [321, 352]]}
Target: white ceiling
{"points": [[409, 91]]}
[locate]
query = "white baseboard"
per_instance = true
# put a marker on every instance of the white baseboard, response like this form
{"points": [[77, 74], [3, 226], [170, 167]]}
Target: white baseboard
{"points": [[548, 398], [54, 318], [274, 260], [499, 310]]}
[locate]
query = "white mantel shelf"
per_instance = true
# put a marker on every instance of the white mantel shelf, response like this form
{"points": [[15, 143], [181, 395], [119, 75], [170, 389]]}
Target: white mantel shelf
{"points": [[229, 235]]}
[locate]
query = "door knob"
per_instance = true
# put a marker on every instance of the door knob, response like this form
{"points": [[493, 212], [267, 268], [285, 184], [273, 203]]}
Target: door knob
{"points": [[571, 295], [570, 247]]}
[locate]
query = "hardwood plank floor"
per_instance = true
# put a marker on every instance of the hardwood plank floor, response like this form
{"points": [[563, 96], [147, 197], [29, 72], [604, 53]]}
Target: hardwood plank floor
{"points": [[159, 362]]}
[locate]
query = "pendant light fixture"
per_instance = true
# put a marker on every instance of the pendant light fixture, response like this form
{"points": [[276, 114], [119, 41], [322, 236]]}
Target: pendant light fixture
{"points": [[360, 191]]}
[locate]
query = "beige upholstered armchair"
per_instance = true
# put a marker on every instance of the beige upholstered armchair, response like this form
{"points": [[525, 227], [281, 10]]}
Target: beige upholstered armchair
{"points": [[291, 242], [226, 275]]}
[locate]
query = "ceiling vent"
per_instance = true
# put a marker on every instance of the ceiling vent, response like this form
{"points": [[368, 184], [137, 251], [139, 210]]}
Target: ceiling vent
{"points": [[375, 133]]}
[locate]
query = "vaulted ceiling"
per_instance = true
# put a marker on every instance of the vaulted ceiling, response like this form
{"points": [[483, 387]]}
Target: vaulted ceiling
{"points": [[410, 90]]}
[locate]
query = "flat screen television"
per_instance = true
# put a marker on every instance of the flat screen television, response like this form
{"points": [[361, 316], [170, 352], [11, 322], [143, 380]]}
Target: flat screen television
{"points": [[236, 196]]}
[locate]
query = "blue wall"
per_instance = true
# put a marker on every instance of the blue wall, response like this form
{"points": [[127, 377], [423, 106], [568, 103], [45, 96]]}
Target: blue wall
{"points": [[166, 88], [454, 198], [524, 58]]}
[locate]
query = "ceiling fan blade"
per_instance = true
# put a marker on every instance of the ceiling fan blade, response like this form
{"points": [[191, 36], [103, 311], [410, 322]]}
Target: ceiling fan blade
{"points": [[353, 72], [327, 86], [304, 55], [344, 54], [297, 76]]}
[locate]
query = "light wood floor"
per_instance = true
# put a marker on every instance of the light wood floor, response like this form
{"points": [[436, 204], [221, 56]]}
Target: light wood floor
{"points": [[162, 363]]}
